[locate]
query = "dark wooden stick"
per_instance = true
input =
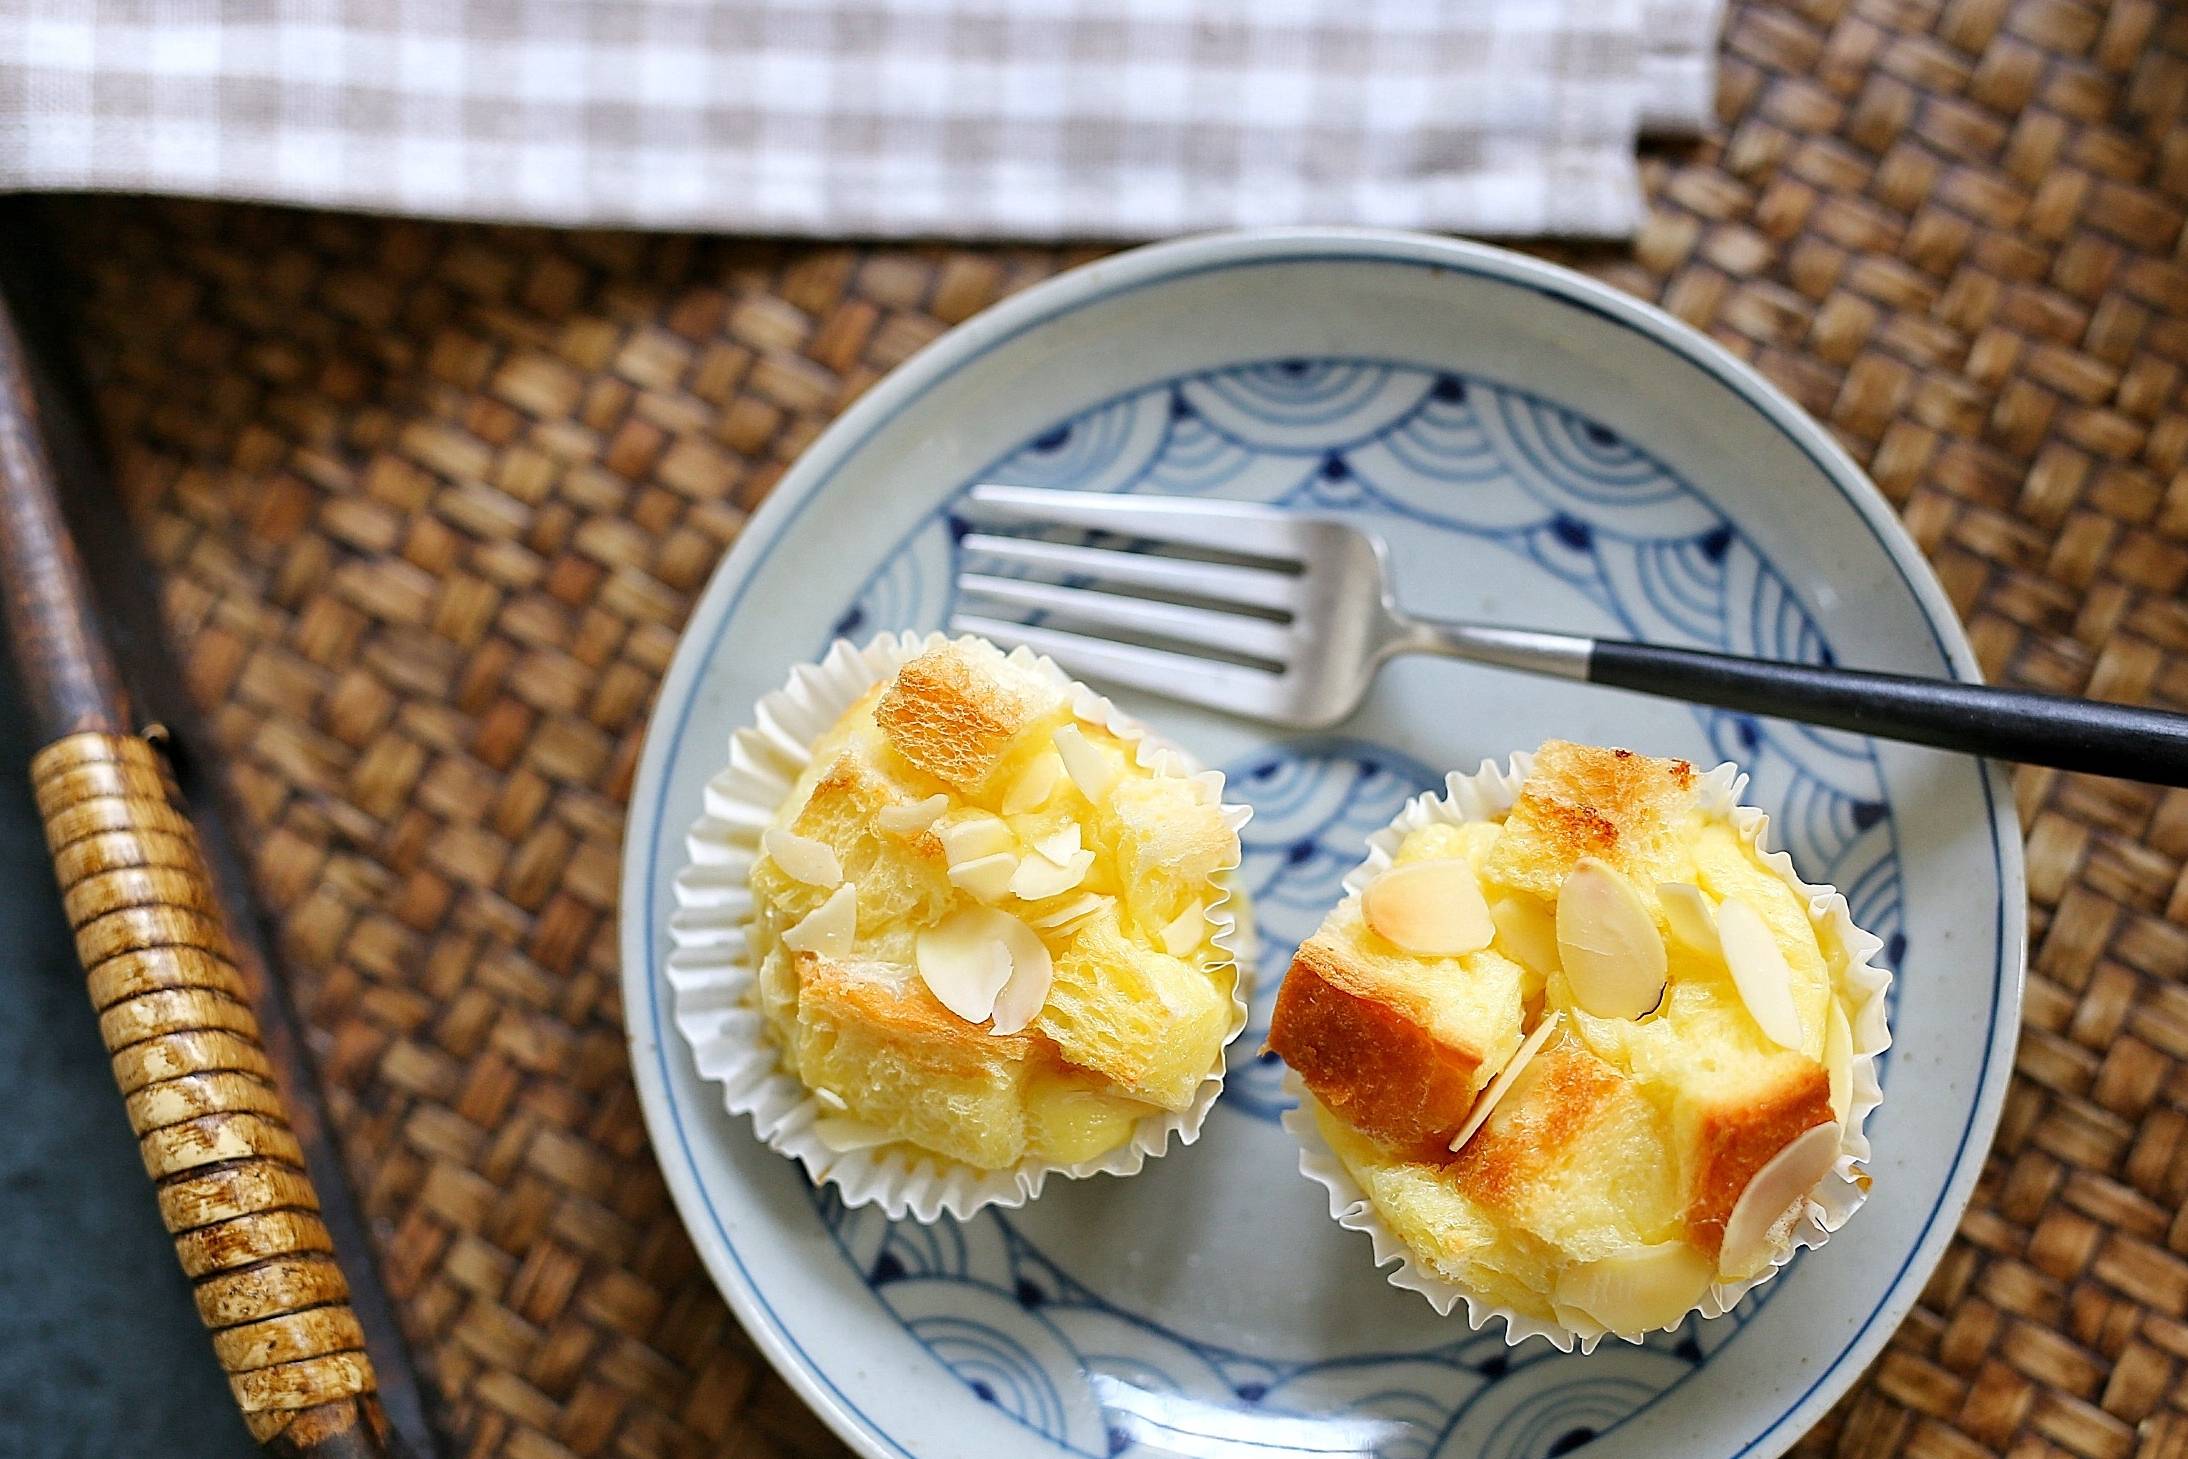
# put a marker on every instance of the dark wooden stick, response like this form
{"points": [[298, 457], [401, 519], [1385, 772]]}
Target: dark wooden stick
{"points": [[69, 675], [212, 1124]]}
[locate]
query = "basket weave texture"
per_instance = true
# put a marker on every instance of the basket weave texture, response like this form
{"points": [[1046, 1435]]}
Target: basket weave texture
{"points": [[429, 502]]}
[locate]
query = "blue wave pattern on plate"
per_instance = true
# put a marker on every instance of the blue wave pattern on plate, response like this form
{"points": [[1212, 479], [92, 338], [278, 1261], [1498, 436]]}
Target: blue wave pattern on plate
{"points": [[1099, 1381], [1426, 451]]}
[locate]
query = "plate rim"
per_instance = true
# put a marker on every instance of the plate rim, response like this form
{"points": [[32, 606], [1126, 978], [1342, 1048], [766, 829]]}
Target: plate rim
{"points": [[1061, 295]]}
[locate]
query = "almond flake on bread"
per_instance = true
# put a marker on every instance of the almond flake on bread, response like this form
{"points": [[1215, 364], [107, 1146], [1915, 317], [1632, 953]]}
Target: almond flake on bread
{"points": [[965, 961], [1429, 908], [1759, 970], [1761, 1220], [1092, 771], [829, 929], [985, 877], [911, 817], [1486, 1105], [1607, 942], [803, 858], [1731, 1132]]}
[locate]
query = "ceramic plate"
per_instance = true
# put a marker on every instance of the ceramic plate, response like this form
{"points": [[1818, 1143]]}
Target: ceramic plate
{"points": [[1540, 451]]}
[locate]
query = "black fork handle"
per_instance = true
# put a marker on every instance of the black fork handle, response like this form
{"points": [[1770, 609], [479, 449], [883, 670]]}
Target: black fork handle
{"points": [[2007, 724]]}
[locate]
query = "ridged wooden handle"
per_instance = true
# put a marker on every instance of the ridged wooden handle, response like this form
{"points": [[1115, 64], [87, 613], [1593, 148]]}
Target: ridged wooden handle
{"points": [[174, 1011]]}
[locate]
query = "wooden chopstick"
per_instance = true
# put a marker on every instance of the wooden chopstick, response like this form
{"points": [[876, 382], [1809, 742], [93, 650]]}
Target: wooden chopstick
{"points": [[219, 1132]]}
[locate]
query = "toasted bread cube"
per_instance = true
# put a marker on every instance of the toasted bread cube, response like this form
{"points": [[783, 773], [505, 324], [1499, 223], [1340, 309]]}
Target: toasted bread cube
{"points": [[872, 1033], [1393, 1044], [1149, 1023], [1630, 810], [903, 881], [1167, 846], [1573, 1156], [1421, 1203], [962, 711], [1728, 1124], [1735, 1098]]}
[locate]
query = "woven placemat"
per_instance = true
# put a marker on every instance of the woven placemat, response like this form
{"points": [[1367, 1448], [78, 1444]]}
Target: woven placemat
{"points": [[431, 501]]}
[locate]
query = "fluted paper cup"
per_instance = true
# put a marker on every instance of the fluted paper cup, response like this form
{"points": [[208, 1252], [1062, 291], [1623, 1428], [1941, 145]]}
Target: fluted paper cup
{"points": [[1488, 795], [715, 984]]}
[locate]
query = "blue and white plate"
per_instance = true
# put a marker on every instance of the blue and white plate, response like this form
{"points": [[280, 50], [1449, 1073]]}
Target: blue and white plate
{"points": [[1540, 451]]}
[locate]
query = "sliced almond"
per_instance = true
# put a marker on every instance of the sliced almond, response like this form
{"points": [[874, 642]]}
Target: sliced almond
{"points": [[1759, 971], [1607, 941], [1060, 845], [829, 1099], [1038, 878], [911, 818], [986, 877], [802, 858], [1031, 972], [1501, 1085], [1065, 914], [971, 837], [829, 929], [1527, 932], [1185, 931], [1640, 1289], [844, 1134], [1092, 771], [1034, 785], [965, 962], [1429, 908], [1690, 915], [1838, 1059], [1761, 1220]]}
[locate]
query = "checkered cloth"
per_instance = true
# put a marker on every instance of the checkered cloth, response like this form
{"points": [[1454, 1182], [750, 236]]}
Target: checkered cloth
{"points": [[949, 118]]}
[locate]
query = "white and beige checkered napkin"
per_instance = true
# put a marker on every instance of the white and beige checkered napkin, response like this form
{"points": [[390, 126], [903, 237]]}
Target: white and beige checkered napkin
{"points": [[943, 118]]}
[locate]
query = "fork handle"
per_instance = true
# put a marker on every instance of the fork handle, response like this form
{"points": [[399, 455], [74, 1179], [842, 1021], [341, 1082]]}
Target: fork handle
{"points": [[2009, 724]]}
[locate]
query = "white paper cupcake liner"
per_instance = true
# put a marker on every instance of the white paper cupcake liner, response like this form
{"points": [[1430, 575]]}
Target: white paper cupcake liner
{"points": [[1488, 794], [715, 985]]}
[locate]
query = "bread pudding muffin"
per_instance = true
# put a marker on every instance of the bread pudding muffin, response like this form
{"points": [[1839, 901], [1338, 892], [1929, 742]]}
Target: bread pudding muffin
{"points": [[987, 936], [1578, 1050]]}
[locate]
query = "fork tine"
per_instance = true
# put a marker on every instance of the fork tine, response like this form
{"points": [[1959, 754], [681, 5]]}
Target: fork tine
{"points": [[1219, 526], [1197, 627], [1231, 687], [1220, 582]]}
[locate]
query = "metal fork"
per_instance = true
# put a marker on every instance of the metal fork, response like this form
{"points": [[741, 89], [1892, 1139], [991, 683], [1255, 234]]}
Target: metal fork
{"points": [[1285, 617]]}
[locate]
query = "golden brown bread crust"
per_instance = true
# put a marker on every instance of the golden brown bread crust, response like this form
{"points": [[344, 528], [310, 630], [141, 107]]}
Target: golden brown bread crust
{"points": [[1363, 1047], [1547, 1108], [1735, 1139], [1583, 800], [951, 718]]}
